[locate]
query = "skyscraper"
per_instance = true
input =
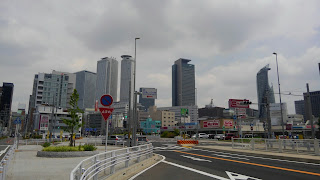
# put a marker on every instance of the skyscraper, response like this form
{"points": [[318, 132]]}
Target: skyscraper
{"points": [[6, 103], [299, 106], [86, 87], [127, 68], [264, 90], [315, 104], [107, 78], [183, 83]]}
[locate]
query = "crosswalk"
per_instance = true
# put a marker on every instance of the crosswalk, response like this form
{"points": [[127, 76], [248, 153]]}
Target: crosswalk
{"points": [[170, 147]]}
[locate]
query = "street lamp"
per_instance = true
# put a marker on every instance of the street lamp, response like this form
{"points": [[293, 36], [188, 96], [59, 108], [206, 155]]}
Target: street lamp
{"points": [[282, 123], [134, 91]]}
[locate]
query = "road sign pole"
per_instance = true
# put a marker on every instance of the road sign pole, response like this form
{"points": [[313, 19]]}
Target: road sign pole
{"points": [[106, 135]]}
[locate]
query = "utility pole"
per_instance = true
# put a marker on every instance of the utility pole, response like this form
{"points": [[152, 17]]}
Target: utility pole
{"points": [[268, 115], [310, 111], [129, 119]]}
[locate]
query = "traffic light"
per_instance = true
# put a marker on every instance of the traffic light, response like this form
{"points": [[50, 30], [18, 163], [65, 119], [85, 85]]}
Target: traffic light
{"points": [[246, 102]]}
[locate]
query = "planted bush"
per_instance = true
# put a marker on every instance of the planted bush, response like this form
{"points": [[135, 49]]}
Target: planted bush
{"points": [[62, 148], [89, 147], [46, 144]]}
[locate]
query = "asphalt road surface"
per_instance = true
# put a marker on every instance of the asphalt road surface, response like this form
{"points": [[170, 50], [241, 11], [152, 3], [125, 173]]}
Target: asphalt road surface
{"points": [[195, 163]]}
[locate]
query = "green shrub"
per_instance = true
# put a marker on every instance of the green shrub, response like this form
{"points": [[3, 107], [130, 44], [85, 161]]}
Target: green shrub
{"points": [[89, 147], [46, 144], [167, 134], [62, 148]]}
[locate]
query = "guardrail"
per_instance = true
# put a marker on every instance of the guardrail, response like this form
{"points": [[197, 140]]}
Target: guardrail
{"points": [[4, 163], [301, 146], [105, 164]]}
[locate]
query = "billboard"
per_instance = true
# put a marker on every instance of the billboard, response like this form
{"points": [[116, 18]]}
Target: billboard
{"points": [[236, 103], [211, 124], [227, 123], [44, 123], [149, 93], [184, 111]]}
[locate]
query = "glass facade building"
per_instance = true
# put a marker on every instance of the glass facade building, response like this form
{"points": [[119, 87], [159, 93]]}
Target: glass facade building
{"points": [[86, 87], [264, 90], [107, 78], [146, 103], [6, 93], [183, 83], [127, 68]]}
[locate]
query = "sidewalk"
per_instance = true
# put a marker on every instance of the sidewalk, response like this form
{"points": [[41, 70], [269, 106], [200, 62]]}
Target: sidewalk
{"points": [[25, 165], [285, 156]]}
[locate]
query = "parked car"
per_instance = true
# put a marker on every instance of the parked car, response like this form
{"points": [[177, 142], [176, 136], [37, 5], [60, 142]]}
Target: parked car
{"points": [[113, 139], [142, 140], [211, 136], [219, 136], [247, 136], [229, 136], [201, 135]]}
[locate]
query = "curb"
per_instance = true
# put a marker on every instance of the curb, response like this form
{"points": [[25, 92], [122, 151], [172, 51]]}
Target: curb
{"points": [[265, 155], [50, 154]]}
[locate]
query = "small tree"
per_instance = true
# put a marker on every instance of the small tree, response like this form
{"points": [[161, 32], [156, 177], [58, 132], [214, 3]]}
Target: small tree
{"points": [[74, 122]]}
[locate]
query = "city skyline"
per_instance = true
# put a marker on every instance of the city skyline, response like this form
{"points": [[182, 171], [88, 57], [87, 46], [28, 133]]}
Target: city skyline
{"points": [[238, 40]]}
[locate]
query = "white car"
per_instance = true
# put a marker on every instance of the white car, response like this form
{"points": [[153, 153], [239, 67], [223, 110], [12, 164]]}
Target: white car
{"points": [[219, 136], [201, 135]]}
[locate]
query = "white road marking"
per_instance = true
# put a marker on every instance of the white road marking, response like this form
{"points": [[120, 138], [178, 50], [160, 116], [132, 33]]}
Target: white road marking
{"points": [[231, 157], [196, 159], [257, 157], [197, 171], [163, 158], [235, 176]]}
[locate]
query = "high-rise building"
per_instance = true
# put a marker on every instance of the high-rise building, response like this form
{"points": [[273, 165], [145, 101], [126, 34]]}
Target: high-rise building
{"points": [[264, 91], [299, 106], [6, 103], [52, 89], [107, 78], [183, 83], [145, 103], [127, 68], [315, 104], [192, 113], [86, 87]]}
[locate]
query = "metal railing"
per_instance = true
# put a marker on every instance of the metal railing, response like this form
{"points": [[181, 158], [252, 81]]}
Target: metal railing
{"points": [[105, 164], [4, 163], [301, 146]]}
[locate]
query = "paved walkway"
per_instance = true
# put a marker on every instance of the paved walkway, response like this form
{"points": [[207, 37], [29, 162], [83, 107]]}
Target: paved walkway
{"points": [[25, 165]]}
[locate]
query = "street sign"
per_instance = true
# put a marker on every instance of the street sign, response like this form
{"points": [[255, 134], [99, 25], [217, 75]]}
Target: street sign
{"points": [[17, 121], [106, 112], [236, 103], [106, 100], [149, 93]]}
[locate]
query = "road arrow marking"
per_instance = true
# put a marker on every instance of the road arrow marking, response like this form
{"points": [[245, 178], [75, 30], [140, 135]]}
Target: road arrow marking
{"points": [[196, 159], [235, 176]]}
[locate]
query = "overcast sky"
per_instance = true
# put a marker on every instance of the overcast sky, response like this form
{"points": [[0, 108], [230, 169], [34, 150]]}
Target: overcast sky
{"points": [[228, 42]]}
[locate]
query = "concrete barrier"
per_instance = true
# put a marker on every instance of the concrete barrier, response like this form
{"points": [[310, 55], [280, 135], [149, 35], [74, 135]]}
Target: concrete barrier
{"points": [[51, 154]]}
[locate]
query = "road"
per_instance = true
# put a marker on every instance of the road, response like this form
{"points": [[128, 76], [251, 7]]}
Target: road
{"points": [[196, 163]]}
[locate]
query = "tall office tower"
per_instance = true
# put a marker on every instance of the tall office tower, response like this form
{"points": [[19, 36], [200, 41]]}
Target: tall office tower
{"points": [[315, 104], [146, 103], [127, 68], [299, 106], [183, 83], [86, 87], [5, 103], [53, 89], [107, 78], [264, 90]]}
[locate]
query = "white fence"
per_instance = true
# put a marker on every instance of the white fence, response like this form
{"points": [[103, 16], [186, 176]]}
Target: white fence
{"points": [[301, 146], [6, 160], [105, 164]]}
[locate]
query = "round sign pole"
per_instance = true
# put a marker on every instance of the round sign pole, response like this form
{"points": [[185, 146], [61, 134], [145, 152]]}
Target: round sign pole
{"points": [[106, 100]]}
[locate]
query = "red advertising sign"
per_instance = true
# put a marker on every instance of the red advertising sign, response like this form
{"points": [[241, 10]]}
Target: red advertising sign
{"points": [[211, 124], [106, 112], [228, 123], [236, 103]]}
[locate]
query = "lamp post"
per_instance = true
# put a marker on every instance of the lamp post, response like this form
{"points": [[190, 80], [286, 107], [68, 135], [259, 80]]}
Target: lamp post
{"points": [[282, 123], [134, 122]]}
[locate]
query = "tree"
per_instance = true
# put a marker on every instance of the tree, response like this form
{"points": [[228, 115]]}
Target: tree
{"points": [[73, 123]]}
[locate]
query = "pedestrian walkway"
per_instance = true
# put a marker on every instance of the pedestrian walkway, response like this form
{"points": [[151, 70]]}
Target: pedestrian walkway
{"points": [[25, 165]]}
